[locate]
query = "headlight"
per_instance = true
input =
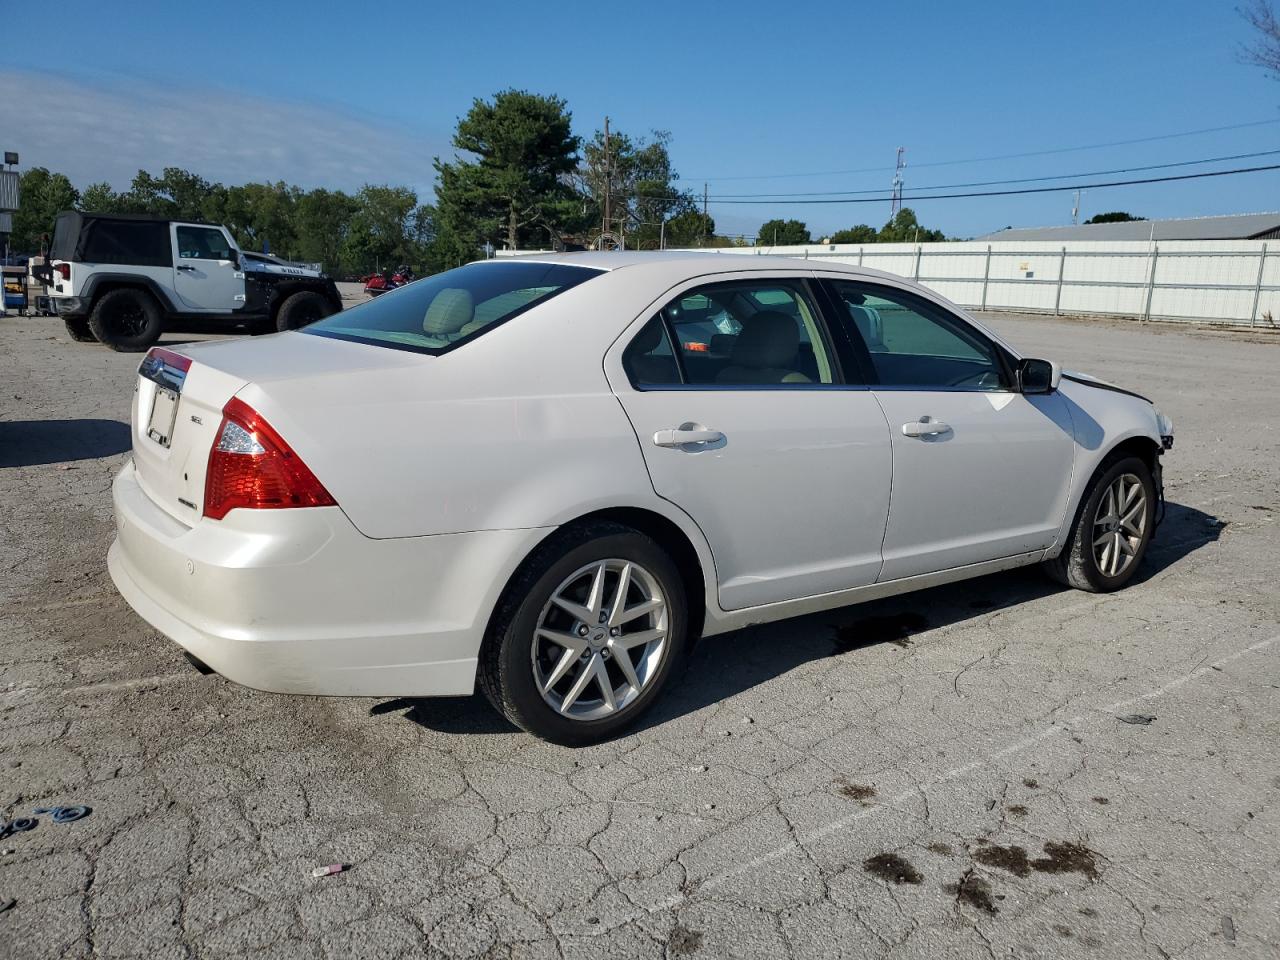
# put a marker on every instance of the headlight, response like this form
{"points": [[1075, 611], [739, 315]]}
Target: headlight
{"points": [[1165, 426]]}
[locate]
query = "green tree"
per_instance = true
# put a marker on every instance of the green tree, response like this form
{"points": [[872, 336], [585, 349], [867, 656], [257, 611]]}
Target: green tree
{"points": [[641, 183], [260, 216], [525, 150], [101, 198], [779, 232], [905, 228], [382, 229], [176, 193], [861, 233], [42, 195], [322, 220], [1115, 216], [690, 229]]}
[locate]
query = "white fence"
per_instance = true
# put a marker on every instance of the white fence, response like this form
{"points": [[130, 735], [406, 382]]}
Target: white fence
{"points": [[1215, 281]]}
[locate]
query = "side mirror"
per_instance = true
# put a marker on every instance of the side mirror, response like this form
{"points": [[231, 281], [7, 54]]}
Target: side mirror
{"points": [[1038, 376]]}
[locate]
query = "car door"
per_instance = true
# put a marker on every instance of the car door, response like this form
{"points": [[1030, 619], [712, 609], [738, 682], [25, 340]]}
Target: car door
{"points": [[747, 423], [206, 273], [980, 471]]}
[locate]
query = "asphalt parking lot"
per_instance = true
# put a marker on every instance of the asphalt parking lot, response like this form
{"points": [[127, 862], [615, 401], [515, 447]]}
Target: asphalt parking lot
{"points": [[943, 774]]}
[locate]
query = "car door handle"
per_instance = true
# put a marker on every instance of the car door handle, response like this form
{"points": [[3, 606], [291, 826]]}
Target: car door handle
{"points": [[925, 427], [679, 437], [183, 266]]}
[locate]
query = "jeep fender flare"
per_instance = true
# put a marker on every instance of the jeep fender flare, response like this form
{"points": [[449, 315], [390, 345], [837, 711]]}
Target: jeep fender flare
{"points": [[271, 294], [99, 283]]}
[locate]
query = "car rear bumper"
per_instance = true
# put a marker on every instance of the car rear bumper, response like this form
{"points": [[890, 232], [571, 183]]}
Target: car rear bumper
{"points": [[299, 601], [69, 306]]}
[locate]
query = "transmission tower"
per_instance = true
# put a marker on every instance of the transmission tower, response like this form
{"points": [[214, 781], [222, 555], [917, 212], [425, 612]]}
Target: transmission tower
{"points": [[897, 182]]}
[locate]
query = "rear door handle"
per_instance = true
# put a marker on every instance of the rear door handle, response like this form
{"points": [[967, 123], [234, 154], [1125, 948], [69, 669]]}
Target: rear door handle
{"points": [[925, 427], [682, 435]]}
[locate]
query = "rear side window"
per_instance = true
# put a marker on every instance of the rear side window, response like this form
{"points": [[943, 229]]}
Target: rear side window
{"points": [[735, 334], [649, 359], [142, 243], [439, 313]]}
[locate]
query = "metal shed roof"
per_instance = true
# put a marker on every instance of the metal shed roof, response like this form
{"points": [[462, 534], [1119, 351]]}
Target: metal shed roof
{"points": [[1240, 226]]}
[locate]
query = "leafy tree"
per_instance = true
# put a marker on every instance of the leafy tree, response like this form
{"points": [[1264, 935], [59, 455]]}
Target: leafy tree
{"points": [[176, 193], [690, 229], [1115, 216], [260, 216], [862, 233], [905, 228], [382, 228], [525, 149], [642, 187], [101, 198], [41, 197], [322, 220], [781, 232]]}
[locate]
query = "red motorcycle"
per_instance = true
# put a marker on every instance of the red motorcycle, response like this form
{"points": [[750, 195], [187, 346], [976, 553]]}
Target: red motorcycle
{"points": [[378, 283]]}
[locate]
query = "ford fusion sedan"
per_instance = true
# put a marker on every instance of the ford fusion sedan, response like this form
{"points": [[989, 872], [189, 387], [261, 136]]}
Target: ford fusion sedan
{"points": [[551, 475]]}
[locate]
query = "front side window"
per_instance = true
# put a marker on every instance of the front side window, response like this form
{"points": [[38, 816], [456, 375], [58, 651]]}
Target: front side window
{"points": [[741, 333], [202, 243], [438, 313], [914, 343]]}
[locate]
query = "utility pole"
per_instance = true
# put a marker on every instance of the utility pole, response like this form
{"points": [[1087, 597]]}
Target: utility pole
{"points": [[1075, 210], [608, 182], [704, 214], [896, 204]]}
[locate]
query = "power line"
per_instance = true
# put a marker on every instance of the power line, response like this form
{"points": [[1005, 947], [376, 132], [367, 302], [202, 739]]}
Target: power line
{"points": [[1004, 156], [1005, 193], [990, 183]]}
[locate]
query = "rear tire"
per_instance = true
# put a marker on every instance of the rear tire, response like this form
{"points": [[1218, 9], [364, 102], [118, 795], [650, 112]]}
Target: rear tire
{"points": [[520, 657], [127, 321], [78, 329], [300, 309], [1112, 529]]}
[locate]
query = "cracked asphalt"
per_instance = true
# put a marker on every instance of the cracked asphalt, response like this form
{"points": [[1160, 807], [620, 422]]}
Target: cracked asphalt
{"points": [[937, 775]]}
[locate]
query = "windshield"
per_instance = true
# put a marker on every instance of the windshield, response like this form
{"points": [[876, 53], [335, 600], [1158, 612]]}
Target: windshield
{"points": [[438, 313]]}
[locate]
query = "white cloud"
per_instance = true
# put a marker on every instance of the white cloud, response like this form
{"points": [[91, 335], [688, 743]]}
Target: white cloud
{"points": [[108, 130]]}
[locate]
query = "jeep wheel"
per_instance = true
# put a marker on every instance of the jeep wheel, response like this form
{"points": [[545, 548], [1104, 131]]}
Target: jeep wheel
{"points": [[302, 308], [128, 321], [78, 330]]}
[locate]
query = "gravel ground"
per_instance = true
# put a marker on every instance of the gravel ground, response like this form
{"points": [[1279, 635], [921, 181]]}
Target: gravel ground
{"points": [[936, 775]]}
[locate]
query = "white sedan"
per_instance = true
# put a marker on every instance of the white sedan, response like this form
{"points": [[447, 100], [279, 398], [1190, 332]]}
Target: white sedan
{"points": [[553, 474]]}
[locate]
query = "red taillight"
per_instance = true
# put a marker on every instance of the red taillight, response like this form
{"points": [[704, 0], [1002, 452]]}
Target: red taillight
{"points": [[64, 270], [251, 466], [174, 361]]}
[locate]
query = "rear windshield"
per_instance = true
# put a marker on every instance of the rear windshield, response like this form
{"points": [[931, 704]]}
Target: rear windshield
{"points": [[439, 313]]}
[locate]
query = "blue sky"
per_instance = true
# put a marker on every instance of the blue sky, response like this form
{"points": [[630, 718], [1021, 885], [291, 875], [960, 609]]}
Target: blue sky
{"points": [[329, 94]]}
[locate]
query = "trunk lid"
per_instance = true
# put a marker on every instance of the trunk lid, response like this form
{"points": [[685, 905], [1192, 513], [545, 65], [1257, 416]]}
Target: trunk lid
{"points": [[176, 416], [177, 408]]}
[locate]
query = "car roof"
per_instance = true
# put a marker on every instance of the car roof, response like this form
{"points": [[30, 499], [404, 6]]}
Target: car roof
{"points": [[696, 263]]}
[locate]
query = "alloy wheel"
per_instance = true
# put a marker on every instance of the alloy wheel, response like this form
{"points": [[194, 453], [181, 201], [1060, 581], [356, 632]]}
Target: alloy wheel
{"points": [[600, 639], [1119, 525]]}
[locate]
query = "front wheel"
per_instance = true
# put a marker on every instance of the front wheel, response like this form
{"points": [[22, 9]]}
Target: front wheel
{"points": [[587, 635], [1112, 530], [300, 309]]}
